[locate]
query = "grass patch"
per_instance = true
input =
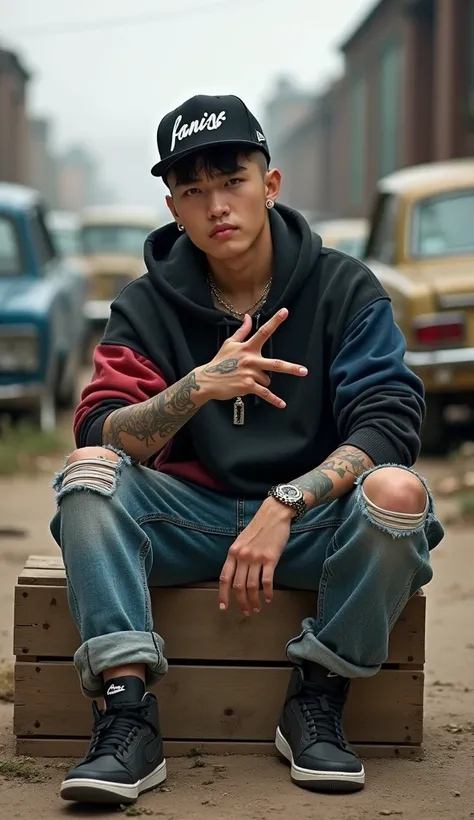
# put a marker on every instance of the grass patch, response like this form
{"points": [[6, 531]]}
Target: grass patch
{"points": [[25, 448], [21, 768], [6, 682]]}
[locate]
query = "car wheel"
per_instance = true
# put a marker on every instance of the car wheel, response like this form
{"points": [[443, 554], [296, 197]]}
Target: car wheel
{"points": [[433, 433]]}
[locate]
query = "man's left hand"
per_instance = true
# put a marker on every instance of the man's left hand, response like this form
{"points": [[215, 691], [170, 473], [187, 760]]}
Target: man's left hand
{"points": [[253, 556]]}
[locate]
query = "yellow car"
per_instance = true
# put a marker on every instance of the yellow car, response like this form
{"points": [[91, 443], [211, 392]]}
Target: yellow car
{"points": [[346, 235], [421, 248], [112, 239]]}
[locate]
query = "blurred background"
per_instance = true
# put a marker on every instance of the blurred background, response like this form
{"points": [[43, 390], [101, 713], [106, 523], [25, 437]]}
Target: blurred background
{"points": [[347, 91], [350, 94], [84, 86]]}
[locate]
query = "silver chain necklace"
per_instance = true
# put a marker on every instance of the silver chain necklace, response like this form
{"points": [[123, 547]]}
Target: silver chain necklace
{"points": [[219, 297]]}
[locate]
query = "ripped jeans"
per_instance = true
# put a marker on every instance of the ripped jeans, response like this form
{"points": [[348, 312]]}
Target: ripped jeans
{"points": [[123, 528]]}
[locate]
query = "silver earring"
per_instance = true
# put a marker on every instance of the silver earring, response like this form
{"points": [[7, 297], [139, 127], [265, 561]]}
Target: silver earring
{"points": [[270, 204], [181, 228]]}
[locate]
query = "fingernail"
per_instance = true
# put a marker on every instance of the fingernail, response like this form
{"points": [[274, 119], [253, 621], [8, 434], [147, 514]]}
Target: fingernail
{"points": [[221, 606], [303, 371], [282, 403], [268, 600], [282, 312], [256, 610], [247, 614]]}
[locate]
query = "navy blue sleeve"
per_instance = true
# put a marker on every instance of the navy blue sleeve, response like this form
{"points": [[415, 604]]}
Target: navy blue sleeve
{"points": [[378, 401]]}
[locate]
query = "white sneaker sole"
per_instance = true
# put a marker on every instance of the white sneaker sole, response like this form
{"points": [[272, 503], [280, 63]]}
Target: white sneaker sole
{"points": [[85, 790], [319, 780]]}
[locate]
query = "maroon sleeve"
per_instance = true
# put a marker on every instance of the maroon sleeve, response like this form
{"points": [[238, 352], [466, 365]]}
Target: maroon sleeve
{"points": [[121, 377]]}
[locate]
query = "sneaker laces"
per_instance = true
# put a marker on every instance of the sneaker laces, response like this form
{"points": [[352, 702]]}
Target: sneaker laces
{"points": [[115, 728], [322, 711]]}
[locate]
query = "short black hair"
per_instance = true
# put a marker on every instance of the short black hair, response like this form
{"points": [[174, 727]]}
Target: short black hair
{"points": [[219, 159]]}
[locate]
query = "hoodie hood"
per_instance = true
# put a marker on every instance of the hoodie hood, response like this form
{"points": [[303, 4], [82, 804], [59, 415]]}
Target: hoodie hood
{"points": [[178, 269]]}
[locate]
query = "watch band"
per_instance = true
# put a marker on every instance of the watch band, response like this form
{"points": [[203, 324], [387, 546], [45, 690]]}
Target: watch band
{"points": [[297, 504]]}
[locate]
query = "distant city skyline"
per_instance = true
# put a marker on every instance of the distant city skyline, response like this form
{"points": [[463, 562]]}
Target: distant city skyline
{"points": [[106, 85]]}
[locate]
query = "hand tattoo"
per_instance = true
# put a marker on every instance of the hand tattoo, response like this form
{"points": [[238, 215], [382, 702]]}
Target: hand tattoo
{"points": [[226, 366], [159, 417], [346, 461]]}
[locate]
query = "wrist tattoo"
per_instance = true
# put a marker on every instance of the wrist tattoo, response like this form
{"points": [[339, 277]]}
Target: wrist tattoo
{"points": [[345, 461]]}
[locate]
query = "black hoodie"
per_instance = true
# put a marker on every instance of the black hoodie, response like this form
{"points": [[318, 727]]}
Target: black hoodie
{"points": [[358, 390]]}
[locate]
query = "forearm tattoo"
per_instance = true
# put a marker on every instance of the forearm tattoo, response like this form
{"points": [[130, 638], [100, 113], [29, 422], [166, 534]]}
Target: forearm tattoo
{"points": [[347, 463], [156, 419]]}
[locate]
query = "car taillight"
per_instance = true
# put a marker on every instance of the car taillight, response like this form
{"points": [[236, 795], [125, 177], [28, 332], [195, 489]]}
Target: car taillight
{"points": [[440, 330]]}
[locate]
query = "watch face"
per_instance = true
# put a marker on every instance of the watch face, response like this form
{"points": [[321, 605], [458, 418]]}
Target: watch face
{"points": [[291, 492]]}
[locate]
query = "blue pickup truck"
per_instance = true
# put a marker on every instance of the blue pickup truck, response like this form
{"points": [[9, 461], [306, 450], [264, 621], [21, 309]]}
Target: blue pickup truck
{"points": [[42, 323]]}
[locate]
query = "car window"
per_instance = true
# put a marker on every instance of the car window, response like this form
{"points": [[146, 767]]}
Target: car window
{"points": [[67, 240], [10, 251], [382, 242], [444, 225], [41, 237], [127, 239]]}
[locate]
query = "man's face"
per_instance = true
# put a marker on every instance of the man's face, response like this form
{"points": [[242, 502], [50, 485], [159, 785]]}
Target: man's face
{"points": [[224, 214]]}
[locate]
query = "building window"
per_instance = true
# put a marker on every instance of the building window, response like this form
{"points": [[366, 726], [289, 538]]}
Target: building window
{"points": [[390, 107], [358, 141]]}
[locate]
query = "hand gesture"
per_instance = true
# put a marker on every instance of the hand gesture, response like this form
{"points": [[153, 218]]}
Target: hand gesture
{"points": [[239, 367]]}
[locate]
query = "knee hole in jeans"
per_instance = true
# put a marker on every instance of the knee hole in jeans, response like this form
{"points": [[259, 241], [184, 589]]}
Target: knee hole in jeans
{"points": [[89, 468], [395, 490]]}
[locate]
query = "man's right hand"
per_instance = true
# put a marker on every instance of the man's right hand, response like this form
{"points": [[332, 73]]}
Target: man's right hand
{"points": [[239, 368]]}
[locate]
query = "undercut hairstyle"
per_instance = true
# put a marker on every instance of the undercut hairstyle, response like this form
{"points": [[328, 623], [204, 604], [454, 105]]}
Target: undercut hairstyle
{"points": [[214, 161]]}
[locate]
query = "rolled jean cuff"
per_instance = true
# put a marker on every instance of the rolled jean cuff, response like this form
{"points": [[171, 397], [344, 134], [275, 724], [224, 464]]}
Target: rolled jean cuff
{"points": [[119, 649], [307, 647]]}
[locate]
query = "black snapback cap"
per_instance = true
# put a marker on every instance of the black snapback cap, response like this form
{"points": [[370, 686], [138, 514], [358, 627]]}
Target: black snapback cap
{"points": [[202, 122]]}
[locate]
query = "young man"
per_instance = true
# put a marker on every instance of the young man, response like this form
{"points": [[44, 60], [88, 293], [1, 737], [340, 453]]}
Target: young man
{"points": [[250, 418]]}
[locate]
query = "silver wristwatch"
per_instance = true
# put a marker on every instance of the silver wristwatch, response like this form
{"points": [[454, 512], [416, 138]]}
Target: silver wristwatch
{"points": [[292, 496]]}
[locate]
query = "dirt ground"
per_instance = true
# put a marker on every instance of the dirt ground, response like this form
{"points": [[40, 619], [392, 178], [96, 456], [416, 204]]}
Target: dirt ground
{"points": [[258, 788]]}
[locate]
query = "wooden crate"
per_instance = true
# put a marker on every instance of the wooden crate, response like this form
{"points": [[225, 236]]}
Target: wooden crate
{"points": [[227, 678]]}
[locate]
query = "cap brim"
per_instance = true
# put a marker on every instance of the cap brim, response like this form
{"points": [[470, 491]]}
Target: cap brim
{"points": [[161, 168]]}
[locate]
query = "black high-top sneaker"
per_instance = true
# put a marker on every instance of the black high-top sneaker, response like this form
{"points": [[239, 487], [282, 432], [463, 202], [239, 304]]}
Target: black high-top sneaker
{"points": [[125, 757], [310, 734]]}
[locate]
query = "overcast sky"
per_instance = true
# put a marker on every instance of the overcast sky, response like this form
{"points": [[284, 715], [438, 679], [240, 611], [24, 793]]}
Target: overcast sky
{"points": [[108, 85]]}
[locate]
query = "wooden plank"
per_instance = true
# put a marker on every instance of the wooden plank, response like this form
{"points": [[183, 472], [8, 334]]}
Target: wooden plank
{"points": [[45, 562], [55, 562], [44, 626], [76, 748], [36, 577], [219, 703]]}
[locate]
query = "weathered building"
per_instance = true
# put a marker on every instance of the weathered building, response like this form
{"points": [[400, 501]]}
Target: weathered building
{"points": [[76, 179], [407, 96], [13, 123], [42, 163]]}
